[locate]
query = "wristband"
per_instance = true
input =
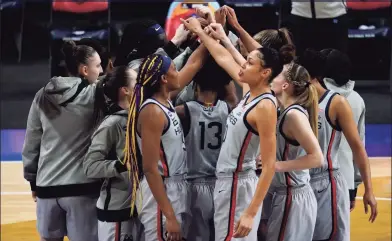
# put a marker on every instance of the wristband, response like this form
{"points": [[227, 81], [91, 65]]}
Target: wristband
{"points": [[353, 194], [33, 186]]}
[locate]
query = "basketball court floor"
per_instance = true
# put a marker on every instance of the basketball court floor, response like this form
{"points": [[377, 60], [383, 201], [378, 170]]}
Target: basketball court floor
{"points": [[18, 209]]}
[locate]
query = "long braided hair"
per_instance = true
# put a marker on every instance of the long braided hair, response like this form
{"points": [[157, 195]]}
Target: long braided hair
{"points": [[147, 83]]}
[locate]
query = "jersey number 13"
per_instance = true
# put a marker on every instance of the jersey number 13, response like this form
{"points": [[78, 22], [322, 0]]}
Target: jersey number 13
{"points": [[216, 129]]}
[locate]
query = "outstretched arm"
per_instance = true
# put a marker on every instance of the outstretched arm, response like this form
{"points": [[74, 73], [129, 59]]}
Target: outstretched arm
{"points": [[216, 30], [192, 66], [218, 52], [249, 42]]}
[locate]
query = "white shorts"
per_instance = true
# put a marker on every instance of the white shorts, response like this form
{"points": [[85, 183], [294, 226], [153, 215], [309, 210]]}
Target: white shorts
{"points": [[130, 230], [232, 195], [152, 217]]}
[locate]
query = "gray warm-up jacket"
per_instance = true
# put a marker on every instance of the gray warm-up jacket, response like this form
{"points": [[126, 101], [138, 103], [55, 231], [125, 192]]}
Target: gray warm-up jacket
{"points": [[59, 127], [103, 161]]}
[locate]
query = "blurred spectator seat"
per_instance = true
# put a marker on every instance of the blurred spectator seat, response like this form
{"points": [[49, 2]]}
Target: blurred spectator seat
{"points": [[368, 5], [12, 22], [74, 20], [80, 7]]}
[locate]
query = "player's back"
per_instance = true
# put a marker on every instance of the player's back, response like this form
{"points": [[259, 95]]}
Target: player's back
{"points": [[204, 138]]}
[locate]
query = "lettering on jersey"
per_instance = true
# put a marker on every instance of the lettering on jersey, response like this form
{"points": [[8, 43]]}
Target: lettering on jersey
{"points": [[233, 120], [177, 127], [208, 109], [319, 118], [176, 123]]}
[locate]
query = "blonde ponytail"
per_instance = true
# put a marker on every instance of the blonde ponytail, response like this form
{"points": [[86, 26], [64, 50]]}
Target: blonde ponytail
{"points": [[311, 105]]}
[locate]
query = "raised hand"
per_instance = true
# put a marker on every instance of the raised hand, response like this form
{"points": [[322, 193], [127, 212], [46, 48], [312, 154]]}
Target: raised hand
{"points": [[231, 16], [206, 13], [192, 24], [181, 35], [220, 16], [217, 32]]}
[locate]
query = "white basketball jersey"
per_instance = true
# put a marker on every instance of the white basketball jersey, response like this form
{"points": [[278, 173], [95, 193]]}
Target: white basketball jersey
{"points": [[241, 143], [329, 135], [173, 152], [287, 149]]}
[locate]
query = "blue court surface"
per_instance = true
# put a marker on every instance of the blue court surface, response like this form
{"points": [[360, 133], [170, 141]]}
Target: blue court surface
{"points": [[378, 142]]}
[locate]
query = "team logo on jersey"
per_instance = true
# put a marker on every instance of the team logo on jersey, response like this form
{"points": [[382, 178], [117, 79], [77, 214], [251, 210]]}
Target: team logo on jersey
{"points": [[208, 109]]}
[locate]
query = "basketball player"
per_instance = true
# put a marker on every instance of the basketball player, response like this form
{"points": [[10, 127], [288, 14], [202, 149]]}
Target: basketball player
{"points": [[237, 188], [328, 184], [157, 133], [204, 122], [57, 138], [337, 78], [294, 206], [268, 38], [103, 159]]}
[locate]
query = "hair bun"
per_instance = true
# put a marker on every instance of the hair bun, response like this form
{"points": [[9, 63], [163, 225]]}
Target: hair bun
{"points": [[287, 53], [68, 48]]}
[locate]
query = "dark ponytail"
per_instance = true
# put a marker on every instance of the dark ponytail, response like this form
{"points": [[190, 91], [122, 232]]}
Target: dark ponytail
{"points": [[287, 54], [106, 93]]}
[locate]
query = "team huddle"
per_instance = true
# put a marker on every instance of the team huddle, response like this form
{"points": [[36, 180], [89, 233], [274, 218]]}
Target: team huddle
{"points": [[160, 147]]}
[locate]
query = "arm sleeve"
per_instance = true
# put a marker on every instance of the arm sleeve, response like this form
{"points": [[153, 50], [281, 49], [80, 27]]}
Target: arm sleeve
{"points": [[95, 164], [171, 49], [32, 144]]}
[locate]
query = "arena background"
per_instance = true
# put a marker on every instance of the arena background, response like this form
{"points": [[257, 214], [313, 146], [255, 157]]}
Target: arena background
{"points": [[29, 59]]}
